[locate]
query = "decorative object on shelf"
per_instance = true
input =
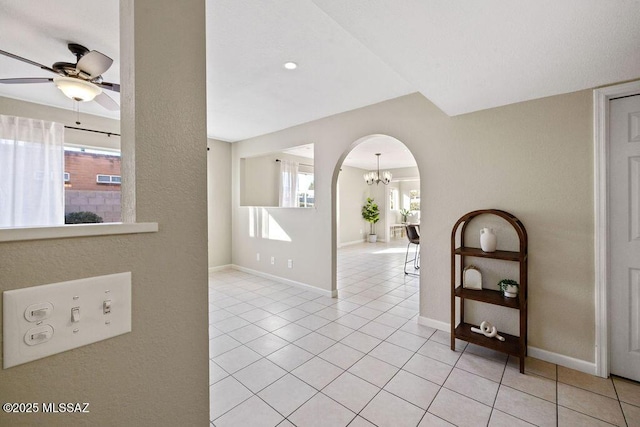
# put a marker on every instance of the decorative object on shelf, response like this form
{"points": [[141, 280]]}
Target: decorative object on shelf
{"points": [[488, 240], [404, 213], [377, 177], [509, 288], [488, 330], [371, 214], [471, 278]]}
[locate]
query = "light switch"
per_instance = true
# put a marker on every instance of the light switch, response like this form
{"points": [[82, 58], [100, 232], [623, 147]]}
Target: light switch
{"points": [[106, 307], [38, 335], [39, 311], [27, 336]]}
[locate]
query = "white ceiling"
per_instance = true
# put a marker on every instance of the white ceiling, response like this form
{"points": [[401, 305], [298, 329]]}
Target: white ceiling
{"points": [[394, 154], [40, 31], [463, 56]]}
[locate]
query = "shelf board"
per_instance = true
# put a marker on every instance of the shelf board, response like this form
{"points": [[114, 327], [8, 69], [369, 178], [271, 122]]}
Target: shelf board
{"points": [[489, 296], [511, 344], [477, 252]]}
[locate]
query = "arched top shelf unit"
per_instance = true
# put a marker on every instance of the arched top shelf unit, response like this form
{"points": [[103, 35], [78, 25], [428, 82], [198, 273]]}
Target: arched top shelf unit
{"points": [[513, 345], [506, 255]]}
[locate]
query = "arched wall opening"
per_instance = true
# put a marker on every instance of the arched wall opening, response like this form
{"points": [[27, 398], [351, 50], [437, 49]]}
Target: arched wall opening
{"points": [[349, 192]]}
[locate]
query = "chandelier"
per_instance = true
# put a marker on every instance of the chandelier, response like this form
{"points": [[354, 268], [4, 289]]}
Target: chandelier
{"points": [[376, 177]]}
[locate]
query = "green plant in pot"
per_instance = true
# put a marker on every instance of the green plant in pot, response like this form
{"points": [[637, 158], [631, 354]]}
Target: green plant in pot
{"points": [[509, 288], [371, 214], [405, 213]]}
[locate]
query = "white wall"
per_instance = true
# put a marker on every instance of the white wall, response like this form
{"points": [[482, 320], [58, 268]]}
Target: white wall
{"points": [[353, 192], [219, 202], [539, 154], [15, 107], [260, 178], [259, 181], [143, 377]]}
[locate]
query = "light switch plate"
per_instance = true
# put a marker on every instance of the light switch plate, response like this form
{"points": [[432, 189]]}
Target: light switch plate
{"points": [[26, 338]]}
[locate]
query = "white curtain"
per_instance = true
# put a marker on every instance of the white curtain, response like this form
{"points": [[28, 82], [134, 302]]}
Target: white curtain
{"points": [[31, 172], [288, 184]]}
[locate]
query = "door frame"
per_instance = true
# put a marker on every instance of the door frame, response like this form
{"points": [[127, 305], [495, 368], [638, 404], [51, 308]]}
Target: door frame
{"points": [[601, 99]]}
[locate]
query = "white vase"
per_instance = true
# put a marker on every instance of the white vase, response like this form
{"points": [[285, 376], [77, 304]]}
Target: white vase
{"points": [[488, 240], [373, 238]]}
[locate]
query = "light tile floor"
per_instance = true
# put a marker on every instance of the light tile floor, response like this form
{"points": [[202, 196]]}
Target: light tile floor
{"points": [[285, 356]]}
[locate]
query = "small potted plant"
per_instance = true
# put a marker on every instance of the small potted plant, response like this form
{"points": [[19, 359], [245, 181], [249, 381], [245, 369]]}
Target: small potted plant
{"points": [[371, 214], [509, 288], [404, 213]]}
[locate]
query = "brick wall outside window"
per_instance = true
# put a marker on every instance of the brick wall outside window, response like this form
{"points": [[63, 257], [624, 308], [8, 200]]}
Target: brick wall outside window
{"points": [[83, 193]]}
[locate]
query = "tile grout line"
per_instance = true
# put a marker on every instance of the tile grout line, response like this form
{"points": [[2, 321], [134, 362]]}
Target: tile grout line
{"points": [[408, 292]]}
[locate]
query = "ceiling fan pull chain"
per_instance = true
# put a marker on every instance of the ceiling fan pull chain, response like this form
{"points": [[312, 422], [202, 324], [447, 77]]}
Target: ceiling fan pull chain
{"points": [[77, 112]]}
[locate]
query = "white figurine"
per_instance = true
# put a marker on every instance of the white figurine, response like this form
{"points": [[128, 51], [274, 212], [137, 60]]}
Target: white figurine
{"points": [[488, 330]]}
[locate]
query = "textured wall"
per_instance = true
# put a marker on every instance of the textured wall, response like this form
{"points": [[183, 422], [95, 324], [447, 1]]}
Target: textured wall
{"points": [[158, 373], [534, 159], [353, 192], [219, 202]]}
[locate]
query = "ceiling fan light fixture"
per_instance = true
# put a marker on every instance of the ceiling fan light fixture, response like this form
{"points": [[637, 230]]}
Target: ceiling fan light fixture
{"points": [[77, 89]]}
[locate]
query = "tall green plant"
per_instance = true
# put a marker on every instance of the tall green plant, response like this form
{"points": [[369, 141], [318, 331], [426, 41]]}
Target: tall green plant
{"points": [[371, 213]]}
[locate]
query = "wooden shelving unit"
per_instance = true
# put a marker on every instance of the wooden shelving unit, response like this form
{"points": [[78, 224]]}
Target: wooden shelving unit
{"points": [[513, 345]]}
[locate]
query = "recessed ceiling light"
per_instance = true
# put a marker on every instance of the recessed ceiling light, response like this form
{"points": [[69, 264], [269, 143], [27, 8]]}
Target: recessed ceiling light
{"points": [[290, 65]]}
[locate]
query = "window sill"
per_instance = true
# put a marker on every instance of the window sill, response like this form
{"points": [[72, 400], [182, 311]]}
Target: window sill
{"points": [[75, 230]]}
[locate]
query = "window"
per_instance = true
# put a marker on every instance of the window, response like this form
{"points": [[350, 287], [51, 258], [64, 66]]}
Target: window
{"points": [[414, 200], [306, 197], [393, 199], [96, 184], [31, 173], [108, 179], [67, 177]]}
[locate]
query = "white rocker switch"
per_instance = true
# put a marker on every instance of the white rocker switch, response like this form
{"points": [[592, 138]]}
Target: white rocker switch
{"points": [[38, 335], [38, 312], [106, 307]]}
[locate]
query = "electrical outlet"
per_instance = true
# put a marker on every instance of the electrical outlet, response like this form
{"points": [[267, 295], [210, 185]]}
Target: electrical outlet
{"points": [[258, 256], [273, 260], [360, 231], [290, 263]]}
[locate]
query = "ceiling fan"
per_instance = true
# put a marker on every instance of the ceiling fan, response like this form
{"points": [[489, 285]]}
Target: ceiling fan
{"points": [[81, 81]]}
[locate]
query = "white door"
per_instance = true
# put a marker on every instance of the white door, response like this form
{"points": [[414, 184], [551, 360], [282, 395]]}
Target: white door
{"points": [[624, 227]]}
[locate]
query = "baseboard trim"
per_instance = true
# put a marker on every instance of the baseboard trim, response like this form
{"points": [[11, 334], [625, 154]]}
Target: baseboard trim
{"points": [[220, 267], [432, 323], [562, 360], [275, 278], [351, 243], [538, 353]]}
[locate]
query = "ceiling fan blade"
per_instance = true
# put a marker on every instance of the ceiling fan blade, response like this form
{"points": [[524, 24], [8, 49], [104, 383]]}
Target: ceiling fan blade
{"points": [[107, 102], [26, 80], [110, 86], [28, 61], [94, 64]]}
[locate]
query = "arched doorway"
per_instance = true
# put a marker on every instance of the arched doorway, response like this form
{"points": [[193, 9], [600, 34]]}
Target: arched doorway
{"points": [[363, 271]]}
